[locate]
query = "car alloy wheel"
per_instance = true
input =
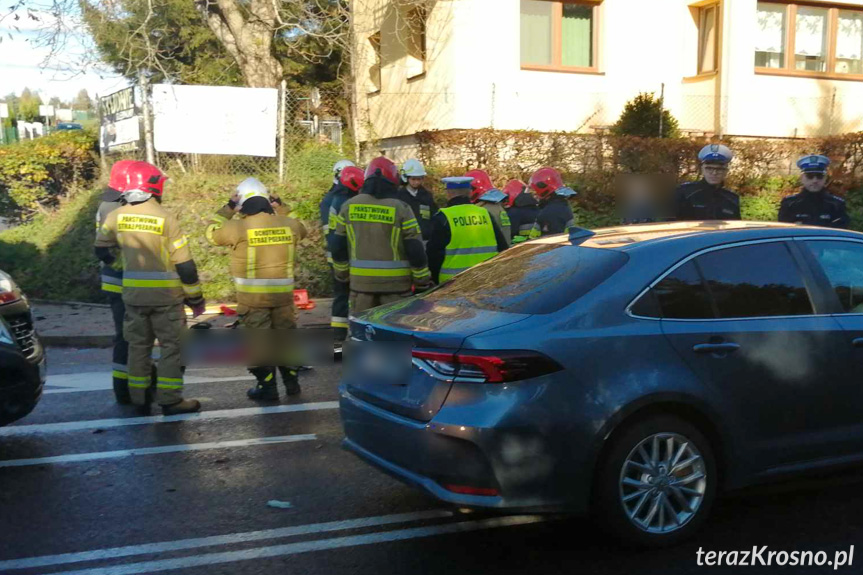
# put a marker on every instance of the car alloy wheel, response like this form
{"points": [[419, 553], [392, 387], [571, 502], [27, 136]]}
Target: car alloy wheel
{"points": [[662, 482]]}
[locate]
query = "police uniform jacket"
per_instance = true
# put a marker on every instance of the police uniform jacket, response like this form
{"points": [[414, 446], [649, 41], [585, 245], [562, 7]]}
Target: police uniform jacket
{"points": [[814, 209], [701, 201]]}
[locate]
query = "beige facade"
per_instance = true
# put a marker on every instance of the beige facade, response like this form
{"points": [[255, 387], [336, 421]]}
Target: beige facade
{"points": [[469, 71]]}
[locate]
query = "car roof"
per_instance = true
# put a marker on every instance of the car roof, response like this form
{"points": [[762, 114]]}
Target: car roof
{"points": [[637, 236]]}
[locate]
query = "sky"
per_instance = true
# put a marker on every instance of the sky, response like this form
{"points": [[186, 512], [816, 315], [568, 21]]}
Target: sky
{"points": [[22, 63]]}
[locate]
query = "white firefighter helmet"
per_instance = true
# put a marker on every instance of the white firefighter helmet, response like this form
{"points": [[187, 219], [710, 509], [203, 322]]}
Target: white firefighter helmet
{"points": [[251, 188], [413, 168]]}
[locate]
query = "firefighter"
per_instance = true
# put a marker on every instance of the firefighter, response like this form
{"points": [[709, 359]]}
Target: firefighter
{"points": [[112, 282], [337, 194], [413, 193], [159, 276], [463, 234], [555, 214], [522, 209], [378, 245], [707, 199], [484, 194], [263, 246], [813, 205]]}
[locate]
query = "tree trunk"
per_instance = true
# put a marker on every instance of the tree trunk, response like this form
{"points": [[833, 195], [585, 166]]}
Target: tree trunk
{"points": [[248, 39]]}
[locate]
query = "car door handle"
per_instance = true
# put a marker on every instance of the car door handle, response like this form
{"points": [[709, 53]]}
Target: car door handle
{"points": [[715, 347], [857, 342]]}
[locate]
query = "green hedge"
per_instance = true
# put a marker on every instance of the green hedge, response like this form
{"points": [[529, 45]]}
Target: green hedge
{"points": [[35, 175]]}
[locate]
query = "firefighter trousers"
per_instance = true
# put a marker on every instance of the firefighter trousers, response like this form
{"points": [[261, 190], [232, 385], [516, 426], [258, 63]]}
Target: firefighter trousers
{"points": [[362, 301], [142, 325], [339, 320], [269, 318], [120, 356]]}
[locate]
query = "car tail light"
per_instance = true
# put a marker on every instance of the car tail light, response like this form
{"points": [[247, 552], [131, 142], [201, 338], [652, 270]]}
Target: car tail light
{"points": [[469, 490], [488, 367], [7, 297]]}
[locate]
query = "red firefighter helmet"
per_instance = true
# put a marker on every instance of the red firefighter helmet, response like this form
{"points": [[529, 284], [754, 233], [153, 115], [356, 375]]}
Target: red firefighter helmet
{"points": [[481, 184], [513, 189], [117, 180], [352, 178], [145, 177], [545, 181], [382, 167]]}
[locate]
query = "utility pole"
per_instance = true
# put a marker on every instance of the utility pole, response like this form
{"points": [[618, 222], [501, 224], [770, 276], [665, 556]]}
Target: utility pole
{"points": [[661, 107]]}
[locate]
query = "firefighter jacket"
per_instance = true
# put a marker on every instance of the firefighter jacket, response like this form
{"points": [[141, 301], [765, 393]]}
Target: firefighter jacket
{"points": [[158, 269], [112, 275], [522, 217], [263, 251], [555, 216], [377, 246], [501, 218], [463, 235], [423, 206]]}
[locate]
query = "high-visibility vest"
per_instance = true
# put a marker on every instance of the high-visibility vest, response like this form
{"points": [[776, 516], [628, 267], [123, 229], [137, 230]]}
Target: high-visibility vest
{"points": [[472, 239]]}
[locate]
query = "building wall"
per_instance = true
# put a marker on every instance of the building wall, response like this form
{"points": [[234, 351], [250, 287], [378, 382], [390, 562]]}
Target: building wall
{"points": [[474, 77]]}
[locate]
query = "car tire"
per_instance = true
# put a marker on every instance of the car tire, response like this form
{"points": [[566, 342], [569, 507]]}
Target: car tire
{"points": [[656, 482]]}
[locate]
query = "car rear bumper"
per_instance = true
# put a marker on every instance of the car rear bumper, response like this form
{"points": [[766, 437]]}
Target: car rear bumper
{"points": [[433, 456]]}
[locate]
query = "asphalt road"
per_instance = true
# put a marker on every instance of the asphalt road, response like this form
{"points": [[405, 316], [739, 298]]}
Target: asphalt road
{"points": [[86, 486]]}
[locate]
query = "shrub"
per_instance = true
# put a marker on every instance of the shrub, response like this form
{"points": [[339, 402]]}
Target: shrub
{"points": [[641, 117], [36, 174]]}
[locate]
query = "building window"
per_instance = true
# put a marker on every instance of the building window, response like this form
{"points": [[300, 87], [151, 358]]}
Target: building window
{"points": [[558, 35], [375, 68], [707, 39], [824, 41], [415, 40]]}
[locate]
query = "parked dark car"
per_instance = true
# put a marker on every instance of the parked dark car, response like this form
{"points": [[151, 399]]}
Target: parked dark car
{"points": [[69, 126], [633, 373], [22, 357]]}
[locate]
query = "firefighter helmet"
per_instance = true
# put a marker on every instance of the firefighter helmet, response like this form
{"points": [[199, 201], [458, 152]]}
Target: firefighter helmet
{"points": [[117, 180], [513, 189], [382, 167], [146, 178], [352, 178], [251, 188], [480, 185], [545, 182]]}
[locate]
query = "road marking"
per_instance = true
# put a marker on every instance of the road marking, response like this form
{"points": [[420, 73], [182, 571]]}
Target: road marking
{"points": [[230, 539], [66, 426], [307, 546], [95, 456], [101, 381]]}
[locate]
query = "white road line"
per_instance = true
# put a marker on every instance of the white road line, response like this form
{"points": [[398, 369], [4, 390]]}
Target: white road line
{"points": [[307, 546], [101, 381], [230, 539], [95, 456], [62, 427]]}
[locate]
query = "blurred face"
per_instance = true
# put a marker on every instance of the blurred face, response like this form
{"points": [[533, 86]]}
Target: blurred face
{"points": [[415, 182], [714, 174], [813, 182]]}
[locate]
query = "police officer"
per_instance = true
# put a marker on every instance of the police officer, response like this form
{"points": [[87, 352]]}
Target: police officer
{"points": [[263, 249], [329, 207], [463, 234], [813, 206], [159, 275], [484, 194], [522, 209], [416, 196], [378, 246], [706, 199], [555, 214], [112, 281]]}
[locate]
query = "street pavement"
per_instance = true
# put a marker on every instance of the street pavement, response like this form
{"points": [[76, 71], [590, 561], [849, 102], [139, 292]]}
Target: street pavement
{"points": [[89, 487]]}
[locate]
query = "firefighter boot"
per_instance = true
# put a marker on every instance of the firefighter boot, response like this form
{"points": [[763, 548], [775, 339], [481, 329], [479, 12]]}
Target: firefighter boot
{"points": [[182, 406], [267, 388], [291, 380], [121, 390]]}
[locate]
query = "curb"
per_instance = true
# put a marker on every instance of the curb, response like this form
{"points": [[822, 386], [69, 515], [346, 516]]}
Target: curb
{"points": [[68, 303], [103, 341]]}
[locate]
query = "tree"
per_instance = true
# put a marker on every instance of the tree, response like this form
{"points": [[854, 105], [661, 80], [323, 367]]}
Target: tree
{"points": [[641, 117], [28, 105], [82, 101]]}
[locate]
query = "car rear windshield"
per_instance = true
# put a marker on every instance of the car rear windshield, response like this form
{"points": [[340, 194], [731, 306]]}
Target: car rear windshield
{"points": [[531, 279]]}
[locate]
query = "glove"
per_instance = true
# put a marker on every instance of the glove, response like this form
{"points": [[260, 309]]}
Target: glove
{"points": [[197, 305]]}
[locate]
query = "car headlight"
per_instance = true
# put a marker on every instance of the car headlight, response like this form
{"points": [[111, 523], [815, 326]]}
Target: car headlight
{"points": [[9, 291], [6, 335]]}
